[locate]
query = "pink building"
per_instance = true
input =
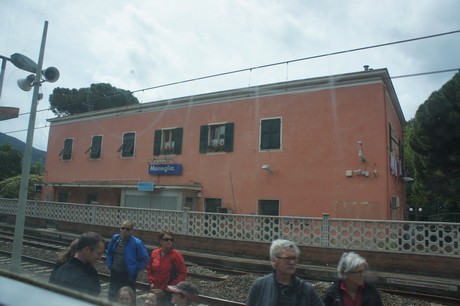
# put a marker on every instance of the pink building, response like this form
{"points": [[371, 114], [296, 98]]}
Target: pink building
{"points": [[299, 148]]}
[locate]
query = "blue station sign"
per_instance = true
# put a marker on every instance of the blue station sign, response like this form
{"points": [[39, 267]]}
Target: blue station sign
{"points": [[145, 186], [165, 169]]}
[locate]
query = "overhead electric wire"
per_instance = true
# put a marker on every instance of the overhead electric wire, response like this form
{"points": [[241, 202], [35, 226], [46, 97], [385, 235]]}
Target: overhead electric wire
{"points": [[287, 62]]}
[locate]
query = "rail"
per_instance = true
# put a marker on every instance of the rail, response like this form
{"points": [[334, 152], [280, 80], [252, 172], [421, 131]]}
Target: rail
{"points": [[413, 237]]}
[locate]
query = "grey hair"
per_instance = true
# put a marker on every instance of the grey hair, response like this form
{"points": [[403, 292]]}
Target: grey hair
{"points": [[348, 262], [279, 244]]}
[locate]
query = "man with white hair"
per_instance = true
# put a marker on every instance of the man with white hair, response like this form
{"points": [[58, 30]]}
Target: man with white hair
{"points": [[282, 287]]}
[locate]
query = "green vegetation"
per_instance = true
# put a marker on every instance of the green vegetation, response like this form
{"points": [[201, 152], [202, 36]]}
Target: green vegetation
{"points": [[66, 102], [434, 139]]}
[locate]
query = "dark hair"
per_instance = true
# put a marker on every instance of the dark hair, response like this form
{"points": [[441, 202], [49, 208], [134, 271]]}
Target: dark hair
{"points": [[89, 239], [68, 253], [165, 232]]}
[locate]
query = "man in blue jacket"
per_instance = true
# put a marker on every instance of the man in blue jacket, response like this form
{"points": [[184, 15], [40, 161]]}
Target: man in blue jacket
{"points": [[126, 255]]}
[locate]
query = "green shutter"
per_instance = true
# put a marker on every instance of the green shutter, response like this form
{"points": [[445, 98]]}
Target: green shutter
{"points": [[177, 138], [228, 144], [204, 130], [157, 143], [275, 141], [265, 135], [270, 134]]}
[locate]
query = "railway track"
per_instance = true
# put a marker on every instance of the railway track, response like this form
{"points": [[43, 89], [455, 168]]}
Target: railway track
{"points": [[41, 269], [220, 275]]}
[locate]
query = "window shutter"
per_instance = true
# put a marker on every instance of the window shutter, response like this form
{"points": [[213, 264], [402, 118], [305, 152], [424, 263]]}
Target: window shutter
{"points": [[68, 143], [270, 134], [177, 138], [96, 144], [128, 145], [228, 144], [275, 140], [265, 135], [204, 130], [157, 143]]}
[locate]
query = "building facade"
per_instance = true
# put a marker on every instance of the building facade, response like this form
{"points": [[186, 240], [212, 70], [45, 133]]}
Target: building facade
{"points": [[298, 148]]}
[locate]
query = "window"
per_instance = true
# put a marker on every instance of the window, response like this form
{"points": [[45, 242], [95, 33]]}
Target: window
{"points": [[270, 134], [127, 148], [269, 207], [216, 138], [95, 149], [62, 197], [91, 198], [66, 152], [168, 141], [396, 152], [212, 204]]}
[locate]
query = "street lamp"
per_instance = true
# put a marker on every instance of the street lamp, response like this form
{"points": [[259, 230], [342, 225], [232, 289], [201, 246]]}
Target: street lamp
{"points": [[25, 63], [415, 212]]}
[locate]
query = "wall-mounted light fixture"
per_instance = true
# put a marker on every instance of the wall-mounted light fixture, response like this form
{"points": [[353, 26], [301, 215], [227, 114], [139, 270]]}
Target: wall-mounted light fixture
{"points": [[267, 167], [407, 179]]}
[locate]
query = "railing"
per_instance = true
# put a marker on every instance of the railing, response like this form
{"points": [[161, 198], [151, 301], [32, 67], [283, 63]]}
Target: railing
{"points": [[379, 235]]}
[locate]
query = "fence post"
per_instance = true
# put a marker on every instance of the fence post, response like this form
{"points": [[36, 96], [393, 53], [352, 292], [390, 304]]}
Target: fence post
{"points": [[325, 230]]}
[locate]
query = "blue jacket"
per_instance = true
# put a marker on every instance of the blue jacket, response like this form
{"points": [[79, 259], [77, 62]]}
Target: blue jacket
{"points": [[264, 292], [136, 255]]}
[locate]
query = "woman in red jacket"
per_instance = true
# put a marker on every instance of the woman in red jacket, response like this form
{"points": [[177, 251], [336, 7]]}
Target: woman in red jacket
{"points": [[166, 265]]}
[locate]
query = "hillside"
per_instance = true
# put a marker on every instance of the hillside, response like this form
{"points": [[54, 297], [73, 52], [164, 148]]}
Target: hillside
{"points": [[20, 145]]}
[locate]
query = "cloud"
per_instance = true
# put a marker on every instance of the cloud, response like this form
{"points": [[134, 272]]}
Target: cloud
{"points": [[141, 44]]}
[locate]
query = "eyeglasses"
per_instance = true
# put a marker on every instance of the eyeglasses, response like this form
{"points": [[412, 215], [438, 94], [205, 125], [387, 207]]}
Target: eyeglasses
{"points": [[125, 228], [287, 258], [168, 239], [357, 272]]}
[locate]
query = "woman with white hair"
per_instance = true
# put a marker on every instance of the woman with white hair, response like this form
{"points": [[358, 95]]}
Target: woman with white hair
{"points": [[350, 288]]}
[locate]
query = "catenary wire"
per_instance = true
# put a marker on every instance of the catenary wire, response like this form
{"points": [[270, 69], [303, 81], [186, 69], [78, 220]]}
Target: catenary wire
{"points": [[287, 62]]}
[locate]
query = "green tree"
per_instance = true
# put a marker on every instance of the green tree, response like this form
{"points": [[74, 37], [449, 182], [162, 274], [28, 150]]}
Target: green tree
{"points": [[9, 188], [10, 161], [65, 102], [37, 168], [435, 141]]}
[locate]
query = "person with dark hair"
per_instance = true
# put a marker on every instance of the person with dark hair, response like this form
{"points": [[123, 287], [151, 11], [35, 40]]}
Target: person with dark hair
{"points": [[79, 272], [183, 293], [126, 255], [350, 287], [282, 286], [63, 257], [166, 266]]}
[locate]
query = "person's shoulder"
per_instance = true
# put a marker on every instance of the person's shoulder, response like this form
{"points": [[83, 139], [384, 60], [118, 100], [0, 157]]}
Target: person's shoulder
{"points": [[137, 240], [114, 237], [265, 278], [370, 286], [175, 253]]}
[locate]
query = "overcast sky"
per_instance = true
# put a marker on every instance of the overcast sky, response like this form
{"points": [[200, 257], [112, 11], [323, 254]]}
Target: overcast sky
{"points": [[135, 45]]}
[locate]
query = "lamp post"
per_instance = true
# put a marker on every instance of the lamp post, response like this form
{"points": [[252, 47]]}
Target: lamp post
{"points": [[415, 212], [24, 63]]}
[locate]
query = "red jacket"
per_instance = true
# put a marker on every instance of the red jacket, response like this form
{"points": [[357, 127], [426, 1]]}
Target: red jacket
{"points": [[159, 269]]}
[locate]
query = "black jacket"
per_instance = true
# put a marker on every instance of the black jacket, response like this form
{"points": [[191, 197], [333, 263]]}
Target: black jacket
{"points": [[370, 295], [264, 292], [79, 276]]}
